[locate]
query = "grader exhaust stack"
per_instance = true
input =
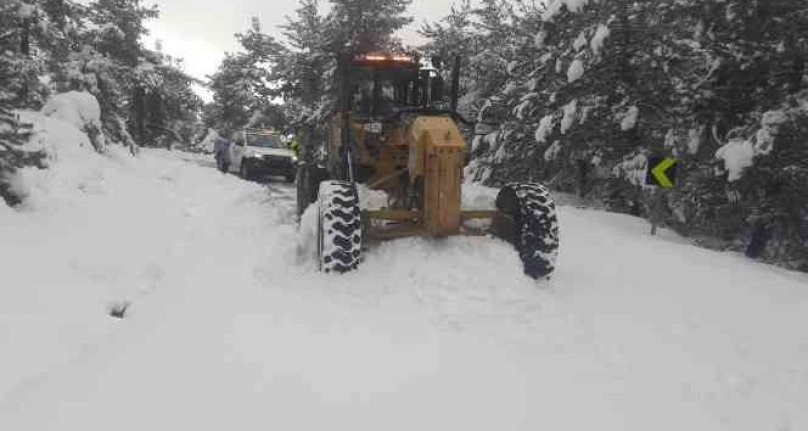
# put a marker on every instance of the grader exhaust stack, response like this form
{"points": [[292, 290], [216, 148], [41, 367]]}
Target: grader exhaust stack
{"points": [[396, 132]]}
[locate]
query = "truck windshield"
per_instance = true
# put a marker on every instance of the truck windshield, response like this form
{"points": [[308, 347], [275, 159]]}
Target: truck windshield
{"points": [[265, 141]]}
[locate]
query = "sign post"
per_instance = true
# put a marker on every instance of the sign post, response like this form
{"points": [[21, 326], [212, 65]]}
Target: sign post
{"points": [[661, 174]]}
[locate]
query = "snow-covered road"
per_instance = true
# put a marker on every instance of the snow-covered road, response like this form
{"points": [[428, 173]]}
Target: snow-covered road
{"points": [[230, 327]]}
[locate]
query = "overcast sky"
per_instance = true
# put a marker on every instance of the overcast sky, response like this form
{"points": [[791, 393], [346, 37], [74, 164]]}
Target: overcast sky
{"points": [[201, 31]]}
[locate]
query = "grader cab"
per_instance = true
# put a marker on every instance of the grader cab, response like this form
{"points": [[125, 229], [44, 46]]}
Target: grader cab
{"points": [[396, 130]]}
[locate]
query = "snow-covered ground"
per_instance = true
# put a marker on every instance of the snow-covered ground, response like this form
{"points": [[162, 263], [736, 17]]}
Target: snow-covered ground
{"points": [[229, 327]]}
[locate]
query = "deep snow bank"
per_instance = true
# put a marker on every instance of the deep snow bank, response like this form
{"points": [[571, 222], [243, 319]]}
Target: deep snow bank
{"points": [[95, 231]]}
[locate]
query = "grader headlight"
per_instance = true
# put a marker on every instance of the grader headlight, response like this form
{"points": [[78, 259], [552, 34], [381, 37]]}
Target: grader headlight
{"points": [[385, 58]]}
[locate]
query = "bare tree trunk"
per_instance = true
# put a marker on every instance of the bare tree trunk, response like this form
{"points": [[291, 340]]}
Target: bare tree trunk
{"points": [[25, 50], [139, 115]]}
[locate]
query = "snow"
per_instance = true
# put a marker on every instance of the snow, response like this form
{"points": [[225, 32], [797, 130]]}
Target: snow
{"points": [[730, 13], [554, 7], [79, 109], [511, 88], [475, 142], [57, 139], [552, 151], [528, 96], [545, 128], [306, 239], [502, 152], [76, 107], [113, 29], [476, 196], [230, 328], [524, 105], [694, 140], [512, 67], [599, 38], [570, 110], [539, 39], [492, 139], [633, 169], [737, 155], [773, 118], [630, 118], [206, 144], [372, 199], [26, 11], [580, 42], [764, 142], [585, 113], [770, 123], [670, 140], [575, 71]]}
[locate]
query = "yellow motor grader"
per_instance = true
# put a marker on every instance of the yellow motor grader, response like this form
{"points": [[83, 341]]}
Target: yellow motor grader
{"points": [[395, 130]]}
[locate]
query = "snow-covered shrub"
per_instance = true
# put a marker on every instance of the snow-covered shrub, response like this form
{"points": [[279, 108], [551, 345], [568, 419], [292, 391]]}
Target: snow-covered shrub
{"points": [[570, 111], [633, 169], [81, 110], [545, 128], [554, 7], [629, 119], [552, 152], [737, 155], [599, 39], [575, 71]]}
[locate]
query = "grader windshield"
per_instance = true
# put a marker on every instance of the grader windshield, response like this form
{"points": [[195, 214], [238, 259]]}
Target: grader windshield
{"points": [[381, 85]]}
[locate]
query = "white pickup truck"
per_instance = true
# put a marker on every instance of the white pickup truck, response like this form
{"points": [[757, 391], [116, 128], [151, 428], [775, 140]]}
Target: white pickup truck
{"points": [[263, 153]]}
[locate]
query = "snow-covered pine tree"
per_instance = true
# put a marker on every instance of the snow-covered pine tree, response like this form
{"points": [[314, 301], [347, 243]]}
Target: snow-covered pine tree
{"points": [[351, 26], [600, 85], [245, 84], [301, 71], [118, 27], [13, 155], [365, 25], [19, 88], [172, 107], [453, 35], [302, 74], [20, 40], [748, 102]]}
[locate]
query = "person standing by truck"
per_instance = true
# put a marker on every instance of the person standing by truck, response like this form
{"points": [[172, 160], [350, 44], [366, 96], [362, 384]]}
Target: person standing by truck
{"points": [[294, 145], [221, 152]]}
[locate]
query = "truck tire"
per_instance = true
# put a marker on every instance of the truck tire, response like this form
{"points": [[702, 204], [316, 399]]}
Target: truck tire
{"points": [[339, 228], [535, 226], [244, 171]]}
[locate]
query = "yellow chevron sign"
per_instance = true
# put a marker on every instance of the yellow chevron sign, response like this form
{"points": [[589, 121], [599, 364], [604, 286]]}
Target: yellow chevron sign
{"points": [[661, 172]]}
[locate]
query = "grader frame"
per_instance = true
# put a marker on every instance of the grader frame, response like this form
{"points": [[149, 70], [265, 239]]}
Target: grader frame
{"points": [[395, 131], [418, 161]]}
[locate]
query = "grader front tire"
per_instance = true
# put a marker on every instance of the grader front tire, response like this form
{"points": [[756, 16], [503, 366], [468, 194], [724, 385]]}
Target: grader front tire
{"points": [[339, 229]]}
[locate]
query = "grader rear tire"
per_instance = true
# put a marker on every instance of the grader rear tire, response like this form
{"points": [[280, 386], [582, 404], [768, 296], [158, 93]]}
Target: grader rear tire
{"points": [[339, 229], [535, 226]]}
